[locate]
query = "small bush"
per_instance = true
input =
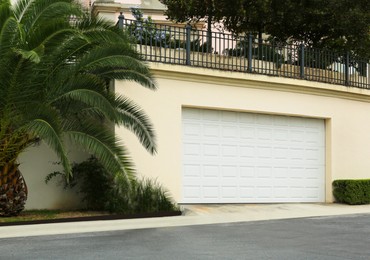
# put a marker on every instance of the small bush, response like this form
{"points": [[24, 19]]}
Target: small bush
{"points": [[141, 196], [115, 193], [89, 179], [263, 52], [353, 192]]}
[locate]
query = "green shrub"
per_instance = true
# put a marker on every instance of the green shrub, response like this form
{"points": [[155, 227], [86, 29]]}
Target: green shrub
{"points": [[91, 180], [115, 193], [263, 52], [352, 192], [314, 58], [140, 196]]}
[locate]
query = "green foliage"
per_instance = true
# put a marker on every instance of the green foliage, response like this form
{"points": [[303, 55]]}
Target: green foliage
{"points": [[89, 179], [315, 58], [339, 25], [54, 83], [352, 192], [195, 45], [189, 10], [265, 52], [144, 31], [114, 192], [144, 196], [56, 64]]}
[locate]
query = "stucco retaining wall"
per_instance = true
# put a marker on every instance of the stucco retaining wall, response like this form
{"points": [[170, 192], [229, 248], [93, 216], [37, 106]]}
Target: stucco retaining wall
{"points": [[345, 111]]}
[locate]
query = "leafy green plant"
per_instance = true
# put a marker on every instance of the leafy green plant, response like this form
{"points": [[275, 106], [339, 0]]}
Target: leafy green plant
{"points": [[144, 30], [352, 192], [115, 193], [56, 63], [315, 58], [89, 179], [145, 196], [195, 45], [263, 52]]}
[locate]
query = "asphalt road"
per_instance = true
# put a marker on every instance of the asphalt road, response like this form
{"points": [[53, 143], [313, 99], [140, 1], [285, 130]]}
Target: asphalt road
{"points": [[344, 237]]}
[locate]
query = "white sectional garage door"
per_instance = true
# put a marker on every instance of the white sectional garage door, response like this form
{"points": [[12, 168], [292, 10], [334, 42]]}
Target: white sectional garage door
{"points": [[233, 157]]}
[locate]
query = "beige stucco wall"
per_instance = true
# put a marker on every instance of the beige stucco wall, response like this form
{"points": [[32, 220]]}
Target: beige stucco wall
{"points": [[110, 10], [35, 164], [345, 110]]}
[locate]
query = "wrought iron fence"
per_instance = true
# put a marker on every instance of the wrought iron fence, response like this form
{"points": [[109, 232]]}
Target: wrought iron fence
{"points": [[178, 44]]}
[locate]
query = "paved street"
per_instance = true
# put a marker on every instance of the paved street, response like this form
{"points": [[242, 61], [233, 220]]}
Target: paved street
{"points": [[344, 237]]}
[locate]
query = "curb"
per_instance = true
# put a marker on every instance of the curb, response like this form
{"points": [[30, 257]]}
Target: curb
{"points": [[94, 218]]}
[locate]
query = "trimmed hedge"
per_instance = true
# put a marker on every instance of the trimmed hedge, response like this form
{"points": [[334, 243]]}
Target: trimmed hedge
{"points": [[353, 192]]}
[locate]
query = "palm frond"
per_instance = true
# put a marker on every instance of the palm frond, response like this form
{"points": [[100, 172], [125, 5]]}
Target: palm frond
{"points": [[103, 144], [92, 99], [53, 81], [9, 32], [130, 75], [50, 34], [20, 8], [5, 11], [134, 118], [116, 63], [50, 135]]}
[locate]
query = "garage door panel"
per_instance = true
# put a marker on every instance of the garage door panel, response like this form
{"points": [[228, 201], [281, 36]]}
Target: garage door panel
{"points": [[264, 120], [264, 134], [210, 115], [264, 152], [211, 192], [229, 131], [192, 170], [247, 192], [192, 149], [211, 171], [264, 192], [281, 173], [247, 172], [247, 133], [193, 129], [211, 130], [229, 191], [192, 192], [280, 192], [210, 150], [281, 121], [248, 151], [232, 157]]}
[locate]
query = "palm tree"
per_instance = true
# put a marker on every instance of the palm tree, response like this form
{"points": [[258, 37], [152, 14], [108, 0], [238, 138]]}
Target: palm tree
{"points": [[55, 66]]}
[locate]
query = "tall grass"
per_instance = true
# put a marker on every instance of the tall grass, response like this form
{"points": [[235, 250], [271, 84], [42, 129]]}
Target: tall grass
{"points": [[115, 193]]}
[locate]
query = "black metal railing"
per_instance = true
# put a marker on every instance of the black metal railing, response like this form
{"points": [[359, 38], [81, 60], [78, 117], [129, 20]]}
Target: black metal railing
{"points": [[187, 46]]}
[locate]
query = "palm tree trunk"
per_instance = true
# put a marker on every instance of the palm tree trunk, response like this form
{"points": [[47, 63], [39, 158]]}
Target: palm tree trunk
{"points": [[13, 190]]}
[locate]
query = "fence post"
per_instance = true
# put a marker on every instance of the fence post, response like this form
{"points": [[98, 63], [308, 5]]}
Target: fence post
{"points": [[250, 46], [368, 74], [188, 31], [346, 70], [121, 17], [301, 61]]}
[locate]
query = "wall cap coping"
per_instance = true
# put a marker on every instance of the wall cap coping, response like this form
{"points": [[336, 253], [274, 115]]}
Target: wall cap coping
{"points": [[248, 80]]}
